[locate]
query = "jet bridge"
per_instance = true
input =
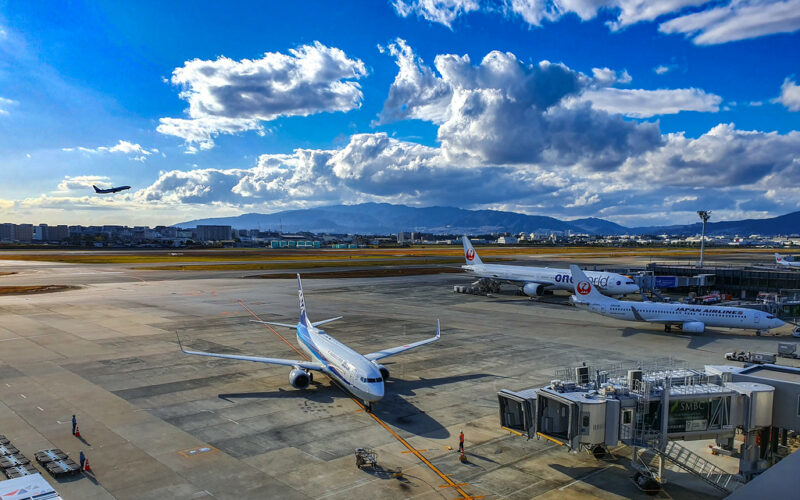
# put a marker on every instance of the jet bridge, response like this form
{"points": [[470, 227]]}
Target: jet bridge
{"points": [[648, 408]]}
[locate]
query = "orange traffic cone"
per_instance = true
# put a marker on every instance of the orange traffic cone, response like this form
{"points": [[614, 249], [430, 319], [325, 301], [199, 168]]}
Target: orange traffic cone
{"points": [[86, 465], [77, 431]]}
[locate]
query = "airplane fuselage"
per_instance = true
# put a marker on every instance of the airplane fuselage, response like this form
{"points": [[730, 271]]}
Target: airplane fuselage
{"points": [[552, 278], [678, 314], [351, 370]]}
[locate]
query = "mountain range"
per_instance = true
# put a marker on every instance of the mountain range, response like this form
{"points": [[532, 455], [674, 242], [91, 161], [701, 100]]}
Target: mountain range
{"points": [[384, 218]]}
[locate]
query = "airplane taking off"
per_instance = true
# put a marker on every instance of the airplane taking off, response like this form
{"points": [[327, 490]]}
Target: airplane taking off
{"points": [[110, 190], [781, 261], [689, 318], [536, 280], [360, 375]]}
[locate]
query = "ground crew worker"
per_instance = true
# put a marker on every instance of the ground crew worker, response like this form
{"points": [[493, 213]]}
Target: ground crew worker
{"points": [[461, 441], [82, 459], [74, 424]]}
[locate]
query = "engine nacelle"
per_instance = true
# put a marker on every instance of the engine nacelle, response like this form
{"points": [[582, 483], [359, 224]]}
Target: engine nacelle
{"points": [[300, 379], [533, 289], [693, 327], [384, 371]]}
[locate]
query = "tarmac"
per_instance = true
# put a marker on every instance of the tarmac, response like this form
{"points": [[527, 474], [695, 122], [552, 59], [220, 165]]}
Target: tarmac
{"points": [[156, 423]]}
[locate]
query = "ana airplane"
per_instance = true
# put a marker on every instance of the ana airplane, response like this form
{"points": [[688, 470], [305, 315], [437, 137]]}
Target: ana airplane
{"points": [[360, 375], [110, 190], [781, 261], [536, 280], [689, 318]]}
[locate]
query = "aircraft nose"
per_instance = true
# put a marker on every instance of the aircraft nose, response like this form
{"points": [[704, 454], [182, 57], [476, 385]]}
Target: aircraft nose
{"points": [[777, 323], [374, 393]]}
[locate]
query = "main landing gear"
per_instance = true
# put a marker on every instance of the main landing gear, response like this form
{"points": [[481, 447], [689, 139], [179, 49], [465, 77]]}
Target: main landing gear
{"points": [[667, 328]]}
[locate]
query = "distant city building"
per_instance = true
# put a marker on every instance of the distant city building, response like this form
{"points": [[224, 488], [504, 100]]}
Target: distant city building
{"points": [[24, 233], [8, 232], [506, 240], [213, 233], [402, 237]]}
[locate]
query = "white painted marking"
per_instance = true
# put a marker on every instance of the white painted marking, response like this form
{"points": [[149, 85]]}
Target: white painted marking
{"points": [[23, 396], [580, 480], [40, 408]]}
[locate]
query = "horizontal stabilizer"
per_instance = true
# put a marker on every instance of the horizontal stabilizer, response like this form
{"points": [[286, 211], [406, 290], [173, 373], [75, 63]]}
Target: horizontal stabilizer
{"points": [[324, 321], [272, 323]]}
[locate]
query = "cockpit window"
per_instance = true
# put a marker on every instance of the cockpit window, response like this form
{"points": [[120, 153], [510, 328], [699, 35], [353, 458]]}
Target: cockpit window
{"points": [[770, 317]]}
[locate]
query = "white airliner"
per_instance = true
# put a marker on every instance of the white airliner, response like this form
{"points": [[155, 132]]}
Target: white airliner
{"points": [[781, 261], [361, 375], [689, 318], [536, 280]]}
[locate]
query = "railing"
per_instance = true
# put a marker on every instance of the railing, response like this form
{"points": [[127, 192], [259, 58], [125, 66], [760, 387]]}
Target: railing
{"points": [[699, 466]]}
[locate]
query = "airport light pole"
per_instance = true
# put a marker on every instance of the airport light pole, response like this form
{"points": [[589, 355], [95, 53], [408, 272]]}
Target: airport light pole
{"points": [[704, 216]]}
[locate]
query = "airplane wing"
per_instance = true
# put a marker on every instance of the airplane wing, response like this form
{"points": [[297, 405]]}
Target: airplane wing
{"points": [[308, 365], [286, 325], [373, 356]]}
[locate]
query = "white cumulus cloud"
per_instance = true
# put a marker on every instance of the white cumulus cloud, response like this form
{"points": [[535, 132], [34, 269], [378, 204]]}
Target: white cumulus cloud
{"points": [[228, 97], [133, 151], [4, 104], [641, 103], [437, 11], [82, 183], [790, 95]]}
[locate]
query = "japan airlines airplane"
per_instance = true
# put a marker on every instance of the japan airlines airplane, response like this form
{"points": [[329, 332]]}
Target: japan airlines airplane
{"points": [[689, 318], [781, 261], [360, 375], [536, 280]]}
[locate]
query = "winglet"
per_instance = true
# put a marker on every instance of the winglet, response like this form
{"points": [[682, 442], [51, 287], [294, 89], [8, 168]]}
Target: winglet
{"points": [[179, 341], [469, 252], [438, 331]]}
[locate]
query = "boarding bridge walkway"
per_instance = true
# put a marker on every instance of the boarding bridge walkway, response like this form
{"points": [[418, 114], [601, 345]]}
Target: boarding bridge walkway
{"points": [[694, 464]]}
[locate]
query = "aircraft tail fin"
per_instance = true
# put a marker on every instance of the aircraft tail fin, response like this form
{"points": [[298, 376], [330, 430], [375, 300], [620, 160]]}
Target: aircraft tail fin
{"points": [[778, 258], [585, 290], [96, 189], [469, 252], [303, 315]]}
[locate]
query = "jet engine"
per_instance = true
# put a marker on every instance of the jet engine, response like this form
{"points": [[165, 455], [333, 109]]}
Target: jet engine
{"points": [[300, 379], [533, 289], [693, 327], [384, 371]]}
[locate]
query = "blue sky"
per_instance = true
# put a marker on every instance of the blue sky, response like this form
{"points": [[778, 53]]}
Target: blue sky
{"points": [[638, 112]]}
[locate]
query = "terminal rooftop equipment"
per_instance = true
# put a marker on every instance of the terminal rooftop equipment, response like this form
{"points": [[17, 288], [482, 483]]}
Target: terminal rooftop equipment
{"points": [[651, 407]]}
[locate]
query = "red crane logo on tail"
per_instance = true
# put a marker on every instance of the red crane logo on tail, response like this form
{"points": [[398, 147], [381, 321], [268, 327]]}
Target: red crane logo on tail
{"points": [[583, 288], [470, 254]]}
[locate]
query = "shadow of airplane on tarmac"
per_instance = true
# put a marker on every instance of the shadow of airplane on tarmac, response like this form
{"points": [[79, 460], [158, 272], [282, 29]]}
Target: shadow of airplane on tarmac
{"points": [[401, 413], [393, 408]]}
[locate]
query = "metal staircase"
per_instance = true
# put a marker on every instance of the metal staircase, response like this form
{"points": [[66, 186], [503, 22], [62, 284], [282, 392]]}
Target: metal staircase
{"points": [[698, 466], [653, 444]]}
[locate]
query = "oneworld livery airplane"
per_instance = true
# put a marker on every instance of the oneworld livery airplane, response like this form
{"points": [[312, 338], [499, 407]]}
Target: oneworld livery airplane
{"points": [[689, 318], [360, 375], [534, 281]]}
